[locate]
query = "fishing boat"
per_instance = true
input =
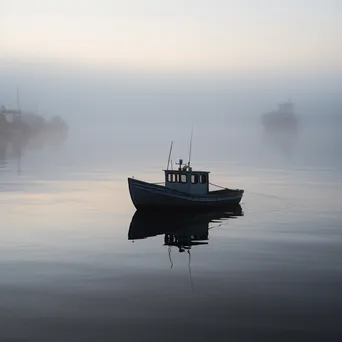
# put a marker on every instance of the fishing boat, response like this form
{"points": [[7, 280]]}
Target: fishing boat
{"points": [[183, 189]]}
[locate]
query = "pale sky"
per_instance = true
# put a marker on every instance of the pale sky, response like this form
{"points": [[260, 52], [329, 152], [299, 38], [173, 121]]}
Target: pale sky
{"points": [[190, 34]]}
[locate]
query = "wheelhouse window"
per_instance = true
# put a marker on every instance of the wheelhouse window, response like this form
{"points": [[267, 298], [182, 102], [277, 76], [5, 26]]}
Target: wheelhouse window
{"points": [[171, 177], [203, 179], [183, 178], [177, 178], [194, 179]]}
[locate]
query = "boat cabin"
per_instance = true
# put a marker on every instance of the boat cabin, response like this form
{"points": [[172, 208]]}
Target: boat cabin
{"points": [[186, 180], [10, 115]]}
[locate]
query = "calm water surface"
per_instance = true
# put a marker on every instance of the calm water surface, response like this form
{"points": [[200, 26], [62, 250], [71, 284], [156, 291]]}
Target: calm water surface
{"points": [[77, 263]]}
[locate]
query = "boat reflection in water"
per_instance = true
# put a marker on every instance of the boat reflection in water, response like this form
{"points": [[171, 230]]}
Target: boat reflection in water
{"points": [[180, 229]]}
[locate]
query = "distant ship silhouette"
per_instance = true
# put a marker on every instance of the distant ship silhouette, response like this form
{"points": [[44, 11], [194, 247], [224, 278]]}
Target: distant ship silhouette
{"points": [[282, 118]]}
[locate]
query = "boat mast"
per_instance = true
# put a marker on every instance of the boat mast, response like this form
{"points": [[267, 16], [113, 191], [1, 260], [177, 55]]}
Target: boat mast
{"points": [[168, 161], [190, 147]]}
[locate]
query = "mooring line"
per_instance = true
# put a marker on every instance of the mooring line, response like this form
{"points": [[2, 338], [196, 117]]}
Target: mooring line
{"points": [[266, 195]]}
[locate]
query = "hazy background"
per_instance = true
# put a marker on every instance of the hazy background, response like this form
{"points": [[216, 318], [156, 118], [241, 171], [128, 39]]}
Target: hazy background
{"points": [[137, 73], [137, 60], [130, 77]]}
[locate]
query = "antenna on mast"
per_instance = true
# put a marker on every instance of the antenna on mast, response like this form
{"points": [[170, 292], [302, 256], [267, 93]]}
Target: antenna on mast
{"points": [[168, 161], [190, 147]]}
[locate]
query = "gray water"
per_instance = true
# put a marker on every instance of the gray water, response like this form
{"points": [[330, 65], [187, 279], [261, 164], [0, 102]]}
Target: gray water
{"points": [[69, 271]]}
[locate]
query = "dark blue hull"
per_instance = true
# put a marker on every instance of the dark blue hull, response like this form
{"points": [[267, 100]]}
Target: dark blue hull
{"points": [[146, 196]]}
